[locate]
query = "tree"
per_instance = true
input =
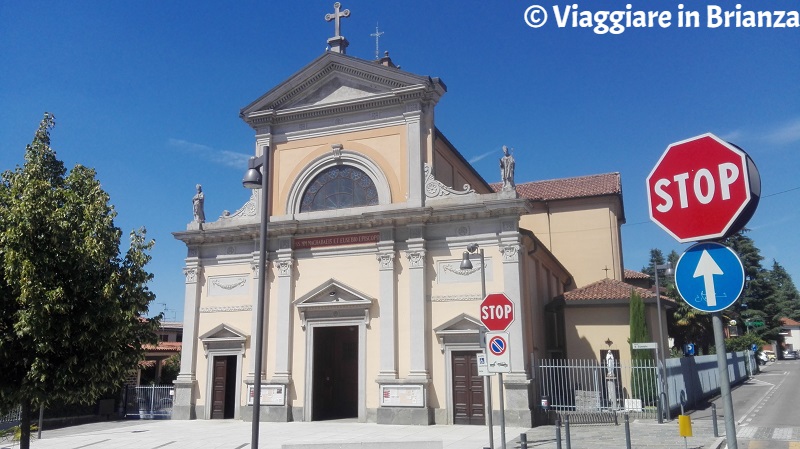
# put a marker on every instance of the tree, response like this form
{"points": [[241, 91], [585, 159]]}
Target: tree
{"points": [[643, 382], [71, 305]]}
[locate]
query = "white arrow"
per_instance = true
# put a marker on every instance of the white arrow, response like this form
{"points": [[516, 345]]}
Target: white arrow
{"points": [[707, 268]]}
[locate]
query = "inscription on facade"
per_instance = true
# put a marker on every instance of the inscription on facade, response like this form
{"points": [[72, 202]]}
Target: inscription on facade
{"points": [[337, 240]]}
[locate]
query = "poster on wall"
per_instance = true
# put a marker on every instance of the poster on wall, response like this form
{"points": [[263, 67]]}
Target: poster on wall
{"points": [[270, 394], [402, 396]]}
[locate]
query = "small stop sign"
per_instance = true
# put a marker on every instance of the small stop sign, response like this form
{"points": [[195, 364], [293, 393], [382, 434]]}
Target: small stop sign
{"points": [[703, 188], [497, 312]]}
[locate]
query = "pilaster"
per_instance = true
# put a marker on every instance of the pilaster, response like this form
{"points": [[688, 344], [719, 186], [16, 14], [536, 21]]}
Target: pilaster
{"points": [[387, 301], [185, 384]]}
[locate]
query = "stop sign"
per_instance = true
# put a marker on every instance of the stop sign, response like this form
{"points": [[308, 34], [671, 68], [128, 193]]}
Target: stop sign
{"points": [[497, 312], [703, 188]]}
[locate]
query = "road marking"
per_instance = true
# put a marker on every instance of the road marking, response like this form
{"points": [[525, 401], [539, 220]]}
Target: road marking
{"points": [[763, 400]]}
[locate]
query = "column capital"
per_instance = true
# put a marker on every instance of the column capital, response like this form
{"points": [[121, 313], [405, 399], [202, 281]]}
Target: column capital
{"points": [[191, 274], [284, 267], [386, 260], [416, 258]]}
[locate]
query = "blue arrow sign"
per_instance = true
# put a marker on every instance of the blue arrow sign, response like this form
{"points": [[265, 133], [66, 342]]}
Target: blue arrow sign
{"points": [[709, 277]]}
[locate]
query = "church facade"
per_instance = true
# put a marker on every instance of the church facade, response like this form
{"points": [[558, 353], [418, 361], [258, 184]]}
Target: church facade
{"points": [[368, 312]]}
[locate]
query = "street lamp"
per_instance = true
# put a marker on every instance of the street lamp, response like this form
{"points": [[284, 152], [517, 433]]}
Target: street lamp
{"points": [[253, 179], [466, 264], [667, 267]]}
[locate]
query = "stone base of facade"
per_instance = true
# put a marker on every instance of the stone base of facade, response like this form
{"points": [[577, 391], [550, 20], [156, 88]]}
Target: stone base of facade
{"points": [[183, 407], [269, 413], [421, 416]]}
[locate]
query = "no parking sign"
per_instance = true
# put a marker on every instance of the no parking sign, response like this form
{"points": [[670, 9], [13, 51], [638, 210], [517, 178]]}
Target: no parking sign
{"points": [[498, 355]]}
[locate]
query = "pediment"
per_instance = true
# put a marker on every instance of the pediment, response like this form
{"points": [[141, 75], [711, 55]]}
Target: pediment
{"points": [[337, 88], [223, 332], [333, 294], [461, 324], [336, 79]]}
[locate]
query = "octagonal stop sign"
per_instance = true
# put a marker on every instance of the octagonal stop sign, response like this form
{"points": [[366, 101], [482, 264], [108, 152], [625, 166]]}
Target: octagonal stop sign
{"points": [[497, 312], [703, 188]]}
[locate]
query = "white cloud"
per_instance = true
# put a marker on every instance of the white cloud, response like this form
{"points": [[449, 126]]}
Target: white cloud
{"points": [[221, 157], [482, 156], [785, 134]]}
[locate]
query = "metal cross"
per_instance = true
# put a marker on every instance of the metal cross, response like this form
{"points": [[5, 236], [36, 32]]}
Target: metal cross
{"points": [[336, 17], [377, 34]]}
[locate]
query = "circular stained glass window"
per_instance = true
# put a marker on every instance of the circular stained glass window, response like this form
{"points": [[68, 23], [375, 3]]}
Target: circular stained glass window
{"points": [[339, 187]]}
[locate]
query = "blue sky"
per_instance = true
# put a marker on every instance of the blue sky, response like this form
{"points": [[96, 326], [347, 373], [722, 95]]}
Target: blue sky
{"points": [[149, 93]]}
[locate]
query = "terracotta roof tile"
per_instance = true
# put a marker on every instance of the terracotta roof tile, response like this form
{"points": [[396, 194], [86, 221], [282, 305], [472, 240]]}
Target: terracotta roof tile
{"points": [[789, 322], [631, 274], [566, 188], [610, 289]]}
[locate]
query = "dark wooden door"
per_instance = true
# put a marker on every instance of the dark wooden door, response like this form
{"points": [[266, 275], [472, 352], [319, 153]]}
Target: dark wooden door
{"points": [[335, 373], [468, 406], [218, 387]]}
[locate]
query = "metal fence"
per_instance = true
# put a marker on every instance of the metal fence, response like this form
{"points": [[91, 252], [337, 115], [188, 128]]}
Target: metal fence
{"points": [[591, 392], [13, 416], [149, 401]]}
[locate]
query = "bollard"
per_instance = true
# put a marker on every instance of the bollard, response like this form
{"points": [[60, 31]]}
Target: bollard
{"points": [[558, 433], [523, 441], [659, 407], [566, 431], [714, 419], [627, 432]]}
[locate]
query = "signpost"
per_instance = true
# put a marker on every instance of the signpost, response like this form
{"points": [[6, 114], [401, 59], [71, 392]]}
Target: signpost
{"points": [[704, 188], [497, 313]]}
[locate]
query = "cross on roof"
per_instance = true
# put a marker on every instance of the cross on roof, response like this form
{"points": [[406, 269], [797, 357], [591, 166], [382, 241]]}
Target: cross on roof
{"points": [[336, 16], [377, 34]]}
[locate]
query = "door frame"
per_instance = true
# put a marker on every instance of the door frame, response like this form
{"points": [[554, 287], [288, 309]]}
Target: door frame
{"points": [[308, 401], [212, 353], [449, 348]]}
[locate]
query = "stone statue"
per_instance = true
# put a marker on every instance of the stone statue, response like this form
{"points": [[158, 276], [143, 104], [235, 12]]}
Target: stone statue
{"points": [[197, 205], [507, 169], [610, 363]]}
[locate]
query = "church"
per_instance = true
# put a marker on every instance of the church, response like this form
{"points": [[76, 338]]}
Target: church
{"points": [[368, 311]]}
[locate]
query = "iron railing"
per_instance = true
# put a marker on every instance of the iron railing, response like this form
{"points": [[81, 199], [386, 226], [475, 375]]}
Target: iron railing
{"points": [[591, 392], [149, 401]]}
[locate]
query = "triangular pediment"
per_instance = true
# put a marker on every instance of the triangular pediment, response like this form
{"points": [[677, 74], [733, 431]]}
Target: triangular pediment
{"points": [[461, 324], [223, 332], [333, 294], [334, 79], [337, 88]]}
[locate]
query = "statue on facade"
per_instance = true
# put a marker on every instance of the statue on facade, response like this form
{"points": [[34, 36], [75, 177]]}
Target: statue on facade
{"points": [[507, 169], [610, 365], [197, 205]]}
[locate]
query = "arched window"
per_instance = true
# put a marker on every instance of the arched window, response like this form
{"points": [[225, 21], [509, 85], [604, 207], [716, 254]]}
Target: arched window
{"points": [[339, 187]]}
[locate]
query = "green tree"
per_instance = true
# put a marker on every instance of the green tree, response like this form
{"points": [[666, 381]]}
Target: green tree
{"points": [[643, 383], [71, 305]]}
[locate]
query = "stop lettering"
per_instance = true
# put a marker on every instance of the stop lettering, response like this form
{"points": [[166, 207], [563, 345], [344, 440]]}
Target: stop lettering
{"points": [[703, 188], [497, 312]]}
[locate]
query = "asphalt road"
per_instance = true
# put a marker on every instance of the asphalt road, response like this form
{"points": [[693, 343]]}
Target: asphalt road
{"points": [[767, 408]]}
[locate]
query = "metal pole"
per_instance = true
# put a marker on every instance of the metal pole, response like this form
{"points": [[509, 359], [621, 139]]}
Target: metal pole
{"points": [[488, 379], [663, 359], [262, 286], [714, 419], [627, 431], [523, 441], [558, 433], [41, 421], [566, 431], [502, 413], [724, 381]]}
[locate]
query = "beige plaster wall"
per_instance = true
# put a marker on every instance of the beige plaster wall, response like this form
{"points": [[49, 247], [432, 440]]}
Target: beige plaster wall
{"points": [[240, 320], [384, 146], [583, 235]]}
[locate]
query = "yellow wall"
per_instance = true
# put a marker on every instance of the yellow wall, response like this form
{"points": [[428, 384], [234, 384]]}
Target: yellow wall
{"points": [[384, 146], [582, 234]]}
